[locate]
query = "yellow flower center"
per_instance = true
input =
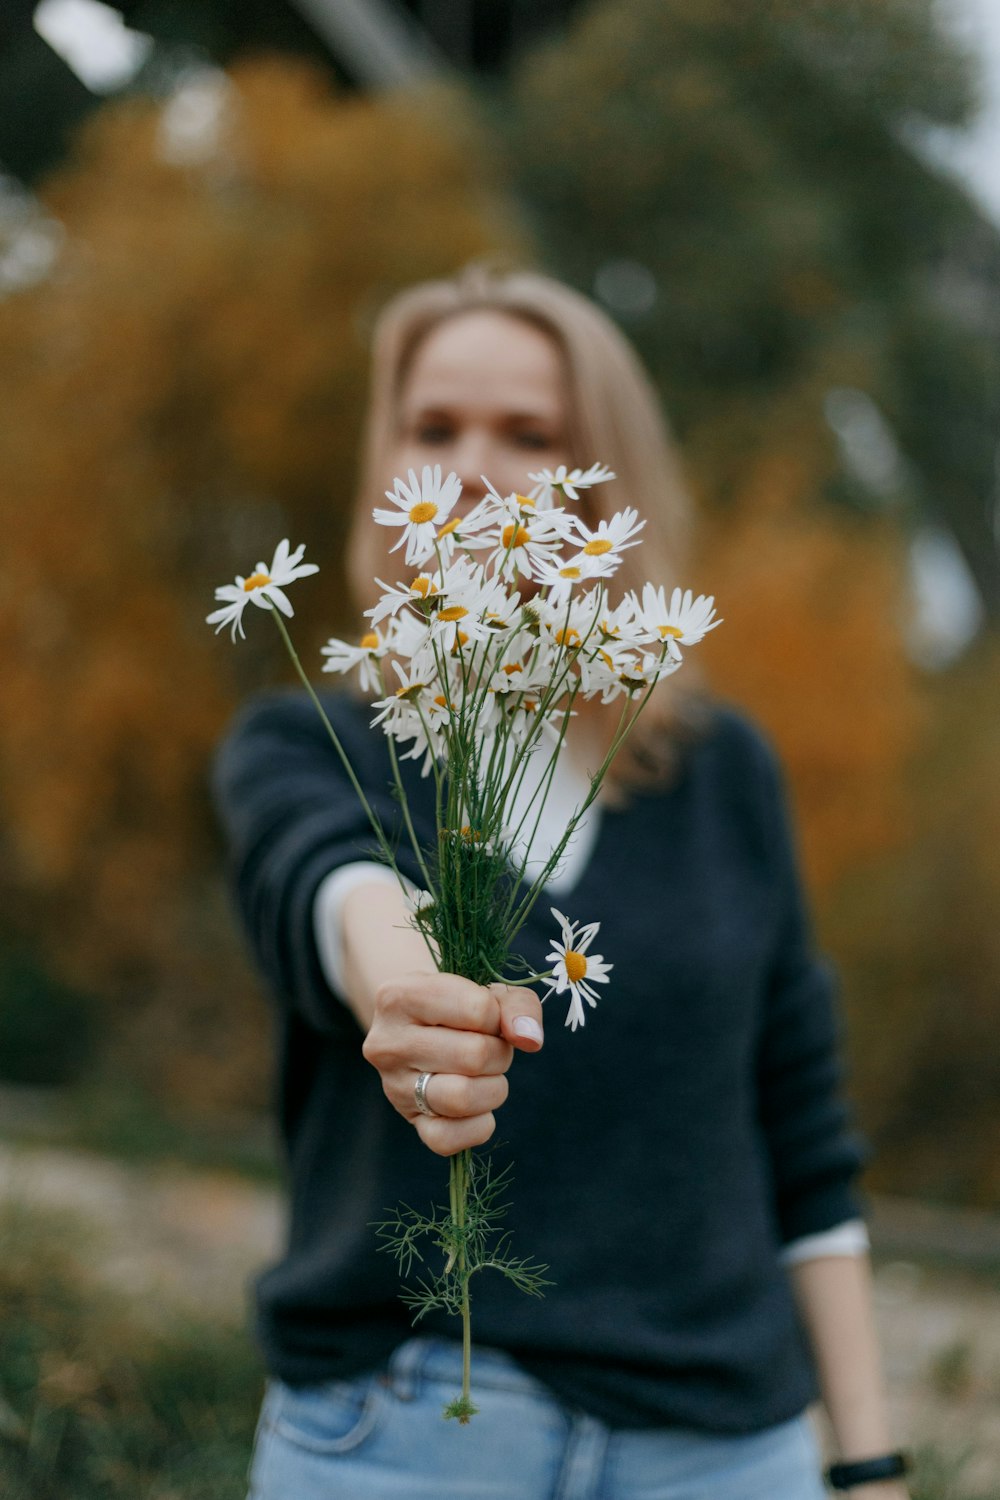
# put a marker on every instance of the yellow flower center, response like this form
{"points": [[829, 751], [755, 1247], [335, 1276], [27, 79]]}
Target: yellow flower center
{"points": [[470, 834], [443, 702], [666, 630], [424, 510], [461, 639], [525, 502], [423, 586], [606, 659], [369, 642], [514, 666], [598, 546], [256, 582], [450, 526], [569, 572], [453, 612], [576, 965], [530, 706], [569, 638], [410, 693], [515, 535]]}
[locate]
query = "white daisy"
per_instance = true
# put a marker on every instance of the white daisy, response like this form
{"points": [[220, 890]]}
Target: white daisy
{"points": [[518, 673], [370, 650], [423, 506], [575, 969], [408, 635], [602, 670], [467, 612], [613, 671], [570, 624], [416, 713], [569, 481], [459, 531], [684, 622], [394, 596], [520, 536], [264, 587], [428, 591], [609, 538], [621, 625], [560, 575]]}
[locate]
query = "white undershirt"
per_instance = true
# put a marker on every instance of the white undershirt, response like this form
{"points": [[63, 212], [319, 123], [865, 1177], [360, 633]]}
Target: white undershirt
{"points": [[568, 790]]}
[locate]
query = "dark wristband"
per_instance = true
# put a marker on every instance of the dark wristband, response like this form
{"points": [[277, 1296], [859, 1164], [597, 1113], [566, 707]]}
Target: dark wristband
{"points": [[867, 1471]]}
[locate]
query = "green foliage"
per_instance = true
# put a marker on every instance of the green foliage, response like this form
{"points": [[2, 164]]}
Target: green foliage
{"points": [[468, 1241], [951, 1371], [757, 162], [112, 1114], [467, 920], [187, 389], [95, 1404], [938, 1475], [47, 1029]]}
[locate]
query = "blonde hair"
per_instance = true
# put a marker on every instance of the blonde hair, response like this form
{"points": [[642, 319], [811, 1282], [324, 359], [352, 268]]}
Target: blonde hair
{"points": [[614, 418]]}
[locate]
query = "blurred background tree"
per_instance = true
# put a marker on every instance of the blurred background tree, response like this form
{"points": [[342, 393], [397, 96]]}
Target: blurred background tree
{"points": [[185, 389], [741, 185], [746, 190]]}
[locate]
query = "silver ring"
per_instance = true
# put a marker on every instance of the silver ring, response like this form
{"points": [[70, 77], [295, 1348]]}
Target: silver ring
{"points": [[420, 1095]]}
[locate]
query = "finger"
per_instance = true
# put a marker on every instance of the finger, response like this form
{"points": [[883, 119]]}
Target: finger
{"points": [[441, 1000], [520, 1017], [458, 1098], [448, 1137], [399, 1053], [435, 1049]]}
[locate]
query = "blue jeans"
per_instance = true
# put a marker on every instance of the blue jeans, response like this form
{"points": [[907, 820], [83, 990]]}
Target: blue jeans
{"points": [[382, 1437]]}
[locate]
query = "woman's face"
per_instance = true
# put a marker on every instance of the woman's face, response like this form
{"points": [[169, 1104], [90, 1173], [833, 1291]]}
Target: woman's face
{"points": [[484, 395]]}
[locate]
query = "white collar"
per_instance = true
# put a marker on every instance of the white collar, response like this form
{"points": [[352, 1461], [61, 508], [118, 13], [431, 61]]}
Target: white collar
{"points": [[568, 790]]}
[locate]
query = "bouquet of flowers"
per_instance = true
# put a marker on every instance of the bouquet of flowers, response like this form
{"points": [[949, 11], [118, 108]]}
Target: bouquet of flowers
{"points": [[476, 664]]}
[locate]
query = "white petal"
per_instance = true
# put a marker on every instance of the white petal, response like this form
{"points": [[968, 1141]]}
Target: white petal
{"points": [[281, 599]]}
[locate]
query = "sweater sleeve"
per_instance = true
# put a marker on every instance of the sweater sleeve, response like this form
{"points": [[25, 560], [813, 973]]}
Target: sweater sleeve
{"points": [[291, 817], [815, 1156], [847, 1239]]}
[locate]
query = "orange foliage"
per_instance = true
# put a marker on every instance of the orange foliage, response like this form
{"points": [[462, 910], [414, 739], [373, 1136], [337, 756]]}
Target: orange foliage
{"points": [[919, 942], [185, 390], [812, 644]]}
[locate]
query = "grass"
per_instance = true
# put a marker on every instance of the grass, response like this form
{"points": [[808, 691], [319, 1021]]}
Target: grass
{"points": [[104, 1398], [938, 1475], [113, 1116], [99, 1403]]}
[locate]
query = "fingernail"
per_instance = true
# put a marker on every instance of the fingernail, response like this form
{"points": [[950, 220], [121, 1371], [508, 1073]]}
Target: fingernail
{"points": [[527, 1027]]}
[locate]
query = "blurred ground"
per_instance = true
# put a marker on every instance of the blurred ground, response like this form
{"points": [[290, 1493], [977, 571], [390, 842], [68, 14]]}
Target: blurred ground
{"points": [[178, 1241]]}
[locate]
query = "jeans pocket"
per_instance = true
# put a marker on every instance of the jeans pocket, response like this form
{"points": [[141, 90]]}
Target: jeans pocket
{"points": [[334, 1416]]}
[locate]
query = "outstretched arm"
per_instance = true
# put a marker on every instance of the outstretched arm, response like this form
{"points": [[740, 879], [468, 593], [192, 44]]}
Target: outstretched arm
{"points": [[834, 1294]]}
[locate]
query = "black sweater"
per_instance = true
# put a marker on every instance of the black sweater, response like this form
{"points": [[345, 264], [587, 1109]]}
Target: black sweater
{"points": [[661, 1156]]}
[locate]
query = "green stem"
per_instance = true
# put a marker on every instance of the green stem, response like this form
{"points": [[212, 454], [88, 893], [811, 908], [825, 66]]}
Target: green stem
{"points": [[463, 1190], [404, 803], [345, 761], [514, 984]]}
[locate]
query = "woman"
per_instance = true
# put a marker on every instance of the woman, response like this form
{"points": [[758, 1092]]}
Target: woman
{"points": [[683, 1165]]}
